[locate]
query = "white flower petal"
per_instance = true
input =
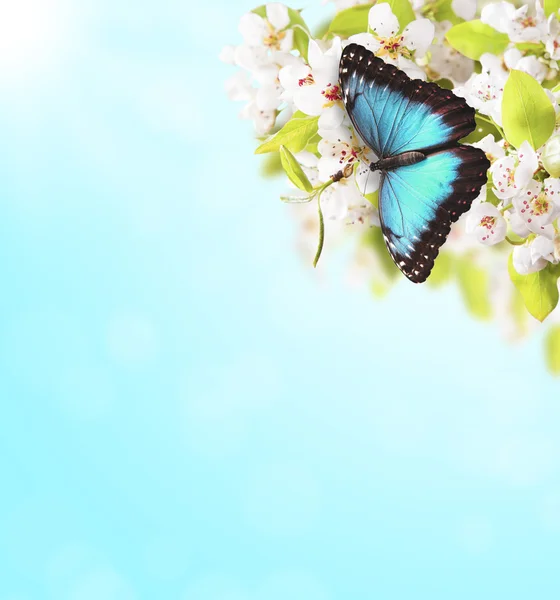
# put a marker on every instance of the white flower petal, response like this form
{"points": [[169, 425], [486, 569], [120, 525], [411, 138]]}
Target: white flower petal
{"points": [[491, 148], [287, 43], [306, 159], [238, 87], [268, 97], [227, 55], [331, 117], [523, 262], [528, 164], [466, 9], [418, 36], [252, 28], [552, 189], [486, 223], [251, 57], [411, 68], [309, 100], [366, 40], [291, 76], [277, 15], [334, 202], [367, 180], [518, 225], [542, 247], [511, 58], [382, 20], [335, 135], [498, 15], [502, 175]]}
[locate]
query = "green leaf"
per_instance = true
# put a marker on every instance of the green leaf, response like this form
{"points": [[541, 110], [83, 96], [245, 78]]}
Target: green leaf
{"points": [[539, 290], [518, 312], [441, 10], [379, 289], [474, 283], [313, 145], [271, 166], [491, 197], [483, 128], [294, 171], [474, 38], [402, 9], [445, 12], [374, 240], [442, 271], [295, 135], [551, 7], [550, 84], [301, 38], [531, 47], [320, 31], [552, 347], [445, 84], [373, 198], [350, 21], [527, 112]]}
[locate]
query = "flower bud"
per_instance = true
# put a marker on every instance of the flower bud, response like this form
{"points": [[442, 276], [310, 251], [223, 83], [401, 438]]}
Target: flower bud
{"points": [[551, 156], [557, 248]]}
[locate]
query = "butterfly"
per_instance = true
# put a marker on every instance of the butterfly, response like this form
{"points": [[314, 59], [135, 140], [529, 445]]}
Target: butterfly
{"points": [[428, 179]]}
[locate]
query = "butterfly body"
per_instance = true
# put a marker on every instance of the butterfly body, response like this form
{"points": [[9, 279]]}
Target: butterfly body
{"points": [[394, 162], [428, 179]]}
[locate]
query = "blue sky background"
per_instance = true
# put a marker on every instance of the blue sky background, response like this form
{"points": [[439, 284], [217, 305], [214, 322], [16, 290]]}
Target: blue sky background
{"points": [[189, 411]]}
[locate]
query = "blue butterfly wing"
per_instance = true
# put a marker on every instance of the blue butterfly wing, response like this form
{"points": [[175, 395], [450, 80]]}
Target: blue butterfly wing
{"points": [[418, 204], [394, 114]]}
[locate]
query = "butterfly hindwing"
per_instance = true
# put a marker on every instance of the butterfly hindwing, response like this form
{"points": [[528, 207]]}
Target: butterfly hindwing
{"points": [[394, 114], [418, 204]]}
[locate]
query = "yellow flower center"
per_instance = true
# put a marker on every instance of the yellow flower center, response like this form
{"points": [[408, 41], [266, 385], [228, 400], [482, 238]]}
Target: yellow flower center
{"points": [[488, 222], [392, 47], [540, 205], [274, 38], [528, 22], [332, 94]]}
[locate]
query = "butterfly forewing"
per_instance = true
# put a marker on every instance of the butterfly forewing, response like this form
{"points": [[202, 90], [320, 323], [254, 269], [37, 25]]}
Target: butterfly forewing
{"points": [[395, 115]]}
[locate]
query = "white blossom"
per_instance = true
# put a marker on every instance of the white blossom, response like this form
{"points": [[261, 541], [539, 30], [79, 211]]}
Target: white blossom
{"points": [[239, 88], [535, 256], [343, 201], [513, 175], [516, 23], [539, 206], [445, 61], [484, 91], [552, 44], [491, 148], [486, 223], [466, 9], [397, 49], [271, 32], [527, 260], [341, 148], [314, 88]]}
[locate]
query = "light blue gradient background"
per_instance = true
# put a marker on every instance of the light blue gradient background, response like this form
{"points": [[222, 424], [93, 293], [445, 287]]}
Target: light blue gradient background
{"points": [[189, 411]]}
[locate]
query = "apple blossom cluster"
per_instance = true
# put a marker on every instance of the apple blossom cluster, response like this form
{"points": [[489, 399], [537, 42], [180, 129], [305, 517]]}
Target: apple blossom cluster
{"points": [[502, 58]]}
